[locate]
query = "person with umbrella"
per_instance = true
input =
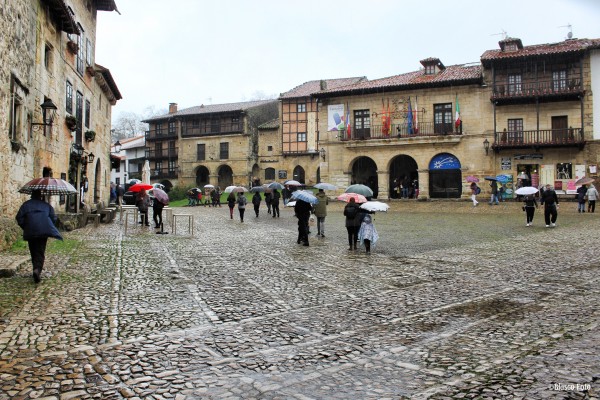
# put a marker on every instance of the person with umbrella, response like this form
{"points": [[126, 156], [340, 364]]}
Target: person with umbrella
{"points": [[256, 199], [241, 202], [143, 202], [494, 197], [160, 200], [321, 212], [275, 202], [268, 197], [592, 196], [231, 204], [302, 210], [550, 201], [351, 212], [581, 193], [37, 219], [475, 190], [529, 208]]}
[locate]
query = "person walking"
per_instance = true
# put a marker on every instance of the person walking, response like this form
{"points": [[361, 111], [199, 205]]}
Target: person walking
{"points": [[113, 194], [157, 209], [37, 219], [120, 193], [351, 211], [256, 199], [321, 212], [550, 201], [302, 210], [592, 196], [268, 197], [530, 204], [143, 202], [581, 193], [275, 203], [494, 197], [241, 202], [231, 204], [367, 234], [475, 190]]}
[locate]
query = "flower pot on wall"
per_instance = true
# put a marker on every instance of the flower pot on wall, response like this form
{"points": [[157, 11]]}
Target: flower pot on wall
{"points": [[71, 122], [90, 136], [72, 46]]}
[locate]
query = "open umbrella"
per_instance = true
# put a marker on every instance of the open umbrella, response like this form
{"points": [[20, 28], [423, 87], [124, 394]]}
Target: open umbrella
{"points": [[161, 195], [375, 206], [359, 198], [275, 185], [209, 186], [525, 190], [134, 181], [502, 178], [258, 189], [292, 182], [304, 195], [491, 178], [360, 189], [472, 179], [229, 189], [48, 186], [584, 181], [239, 189], [325, 186], [139, 186]]}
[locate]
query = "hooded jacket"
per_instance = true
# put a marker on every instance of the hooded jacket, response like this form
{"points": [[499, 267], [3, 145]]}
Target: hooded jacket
{"points": [[37, 219]]}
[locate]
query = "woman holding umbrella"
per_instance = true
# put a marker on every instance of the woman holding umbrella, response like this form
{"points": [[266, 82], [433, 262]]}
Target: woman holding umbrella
{"points": [[37, 219], [351, 211], [143, 202]]}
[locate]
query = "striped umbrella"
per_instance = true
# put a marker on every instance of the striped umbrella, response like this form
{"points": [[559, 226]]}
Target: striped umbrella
{"points": [[48, 186]]}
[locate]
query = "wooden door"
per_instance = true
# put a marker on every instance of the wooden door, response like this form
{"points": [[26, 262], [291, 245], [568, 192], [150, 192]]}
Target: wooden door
{"points": [[560, 128]]}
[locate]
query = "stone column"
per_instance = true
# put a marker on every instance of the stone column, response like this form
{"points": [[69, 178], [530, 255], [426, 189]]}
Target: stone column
{"points": [[383, 185], [423, 184]]}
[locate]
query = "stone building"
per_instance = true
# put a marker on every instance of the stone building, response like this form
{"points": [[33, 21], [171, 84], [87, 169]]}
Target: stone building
{"points": [[128, 159], [208, 144], [55, 101]]}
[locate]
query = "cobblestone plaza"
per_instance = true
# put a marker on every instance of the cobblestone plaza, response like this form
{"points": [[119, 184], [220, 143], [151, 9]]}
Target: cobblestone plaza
{"points": [[453, 302]]}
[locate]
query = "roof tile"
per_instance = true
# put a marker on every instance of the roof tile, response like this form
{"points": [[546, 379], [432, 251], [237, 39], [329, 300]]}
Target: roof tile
{"points": [[214, 108], [564, 47], [312, 87]]}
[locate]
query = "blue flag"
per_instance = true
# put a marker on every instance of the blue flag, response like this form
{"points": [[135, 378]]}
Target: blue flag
{"points": [[410, 118]]}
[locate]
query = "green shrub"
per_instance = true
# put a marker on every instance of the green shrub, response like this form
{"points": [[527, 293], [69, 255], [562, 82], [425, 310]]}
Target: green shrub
{"points": [[179, 192]]}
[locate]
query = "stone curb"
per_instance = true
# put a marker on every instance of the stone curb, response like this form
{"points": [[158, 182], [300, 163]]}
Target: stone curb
{"points": [[10, 264]]}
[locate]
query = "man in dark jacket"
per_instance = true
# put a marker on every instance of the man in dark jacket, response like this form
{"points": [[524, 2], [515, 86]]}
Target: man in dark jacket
{"points": [[302, 209], [550, 201], [37, 219], [275, 203]]}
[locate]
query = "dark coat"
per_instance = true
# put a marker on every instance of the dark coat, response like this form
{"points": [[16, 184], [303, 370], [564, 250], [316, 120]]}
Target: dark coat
{"points": [[549, 198], [37, 219], [256, 199], [276, 197], [351, 212]]}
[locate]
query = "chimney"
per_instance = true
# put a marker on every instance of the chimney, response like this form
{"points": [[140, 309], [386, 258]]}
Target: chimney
{"points": [[323, 85], [172, 108]]}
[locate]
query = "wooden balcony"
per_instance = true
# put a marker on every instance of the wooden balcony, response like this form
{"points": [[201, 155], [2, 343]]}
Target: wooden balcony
{"points": [[170, 154], [160, 134], [572, 137], [529, 90], [402, 131], [163, 173], [211, 130]]}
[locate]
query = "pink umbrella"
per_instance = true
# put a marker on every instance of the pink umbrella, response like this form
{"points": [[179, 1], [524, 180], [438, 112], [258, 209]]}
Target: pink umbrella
{"points": [[359, 198], [472, 178], [161, 196]]}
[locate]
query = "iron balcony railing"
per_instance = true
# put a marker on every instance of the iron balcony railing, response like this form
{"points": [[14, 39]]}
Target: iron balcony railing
{"points": [[161, 134], [401, 131], [164, 173], [162, 154], [536, 88], [539, 138], [216, 129]]}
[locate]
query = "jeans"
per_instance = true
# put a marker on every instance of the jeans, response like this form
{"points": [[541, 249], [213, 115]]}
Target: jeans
{"points": [[321, 225], [494, 199]]}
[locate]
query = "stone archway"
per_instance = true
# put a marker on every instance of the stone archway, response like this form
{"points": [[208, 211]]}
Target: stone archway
{"points": [[364, 171], [445, 177], [225, 174], [97, 182], [202, 176], [299, 174], [401, 167]]}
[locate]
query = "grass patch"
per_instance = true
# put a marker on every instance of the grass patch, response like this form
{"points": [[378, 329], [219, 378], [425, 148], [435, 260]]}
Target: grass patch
{"points": [[19, 245], [63, 246]]}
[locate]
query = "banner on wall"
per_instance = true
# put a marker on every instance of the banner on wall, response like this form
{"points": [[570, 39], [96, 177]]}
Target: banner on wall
{"points": [[335, 118], [506, 189]]}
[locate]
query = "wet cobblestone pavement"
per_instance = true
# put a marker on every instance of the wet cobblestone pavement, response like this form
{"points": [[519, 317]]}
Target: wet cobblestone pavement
{"points": [[454, 302]]}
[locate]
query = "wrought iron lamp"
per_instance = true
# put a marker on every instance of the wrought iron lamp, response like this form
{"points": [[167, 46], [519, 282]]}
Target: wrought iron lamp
{"points": [[117, 147], [486, 146], [322, 152], [48, 114]]}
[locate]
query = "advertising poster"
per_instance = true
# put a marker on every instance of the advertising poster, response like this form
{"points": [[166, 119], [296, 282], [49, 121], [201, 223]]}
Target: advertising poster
{"points": [[506, 189], [335, 117]]}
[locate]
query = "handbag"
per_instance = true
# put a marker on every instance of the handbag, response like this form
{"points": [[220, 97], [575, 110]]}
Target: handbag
{"points": [[312, 221]]}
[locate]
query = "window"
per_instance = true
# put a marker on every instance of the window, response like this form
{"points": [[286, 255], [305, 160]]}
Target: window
{"points": [[48, 57], [269, 148], [559, 80], [200, 152], [157, 167], [16, 112], [88, 51], [118, 180], [158, 149], [159, 129], [514, 83], [79, 115], [301, 137], [301, 107], [515, 130], [362, 124], [442, 118], [171, 127], [564, 170], [224, 151], [80, 54], [430, 69], [87, 113], [215, 125], [269, 174], [172, 166], [69, 98]]}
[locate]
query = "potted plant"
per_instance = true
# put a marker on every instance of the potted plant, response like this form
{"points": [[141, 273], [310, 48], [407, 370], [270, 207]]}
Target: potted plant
{"points": [[90, 136], [71, 122], [72, 46], [90, 70]]}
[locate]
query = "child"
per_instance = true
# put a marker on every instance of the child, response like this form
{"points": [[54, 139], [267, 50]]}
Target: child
{"points": [[367, 234]]}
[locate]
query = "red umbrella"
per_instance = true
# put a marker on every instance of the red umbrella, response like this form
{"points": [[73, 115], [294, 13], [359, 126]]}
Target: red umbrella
{"points": [[359, 198], [139, 186]]}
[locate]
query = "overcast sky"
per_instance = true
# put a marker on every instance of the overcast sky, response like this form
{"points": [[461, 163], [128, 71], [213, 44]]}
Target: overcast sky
{"points": [[194, 52]]}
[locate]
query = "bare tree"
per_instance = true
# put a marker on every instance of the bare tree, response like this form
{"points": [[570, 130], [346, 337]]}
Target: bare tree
{"points": [[129, 124]]}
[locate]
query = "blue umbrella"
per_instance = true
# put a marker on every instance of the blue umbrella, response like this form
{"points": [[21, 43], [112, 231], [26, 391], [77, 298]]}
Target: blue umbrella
{"points": [[275, 185], [304, 195]]}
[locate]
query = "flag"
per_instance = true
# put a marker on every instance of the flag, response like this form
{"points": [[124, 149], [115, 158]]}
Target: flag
{"points": [[416, 115], [457, 120], [348, 125], [409, 118]]}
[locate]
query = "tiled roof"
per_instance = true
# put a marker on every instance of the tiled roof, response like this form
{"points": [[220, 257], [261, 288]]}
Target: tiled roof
{"points": [[272, 124], [568, 46], [453, 74], [131, 142], [312, 87], [214, 108]]}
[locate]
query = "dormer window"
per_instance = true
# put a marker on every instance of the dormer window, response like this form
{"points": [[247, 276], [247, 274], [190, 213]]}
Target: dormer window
{"points": [[510, 47], [429, 69], [432, 65], [510, 44]]}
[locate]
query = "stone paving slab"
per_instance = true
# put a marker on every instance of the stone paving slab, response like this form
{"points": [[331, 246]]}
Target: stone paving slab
{"points": [[465, 303]]}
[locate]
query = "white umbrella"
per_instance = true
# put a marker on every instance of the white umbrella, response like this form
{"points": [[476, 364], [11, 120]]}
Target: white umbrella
{"points": [[375, 206], [292, 182], [229, 189], [209, 186], [235, 189], [146, 172], [525, 190], [325, 186]]}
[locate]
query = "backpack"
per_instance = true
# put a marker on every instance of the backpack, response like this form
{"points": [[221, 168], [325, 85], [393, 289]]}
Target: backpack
{"points": [[477, 190]]}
